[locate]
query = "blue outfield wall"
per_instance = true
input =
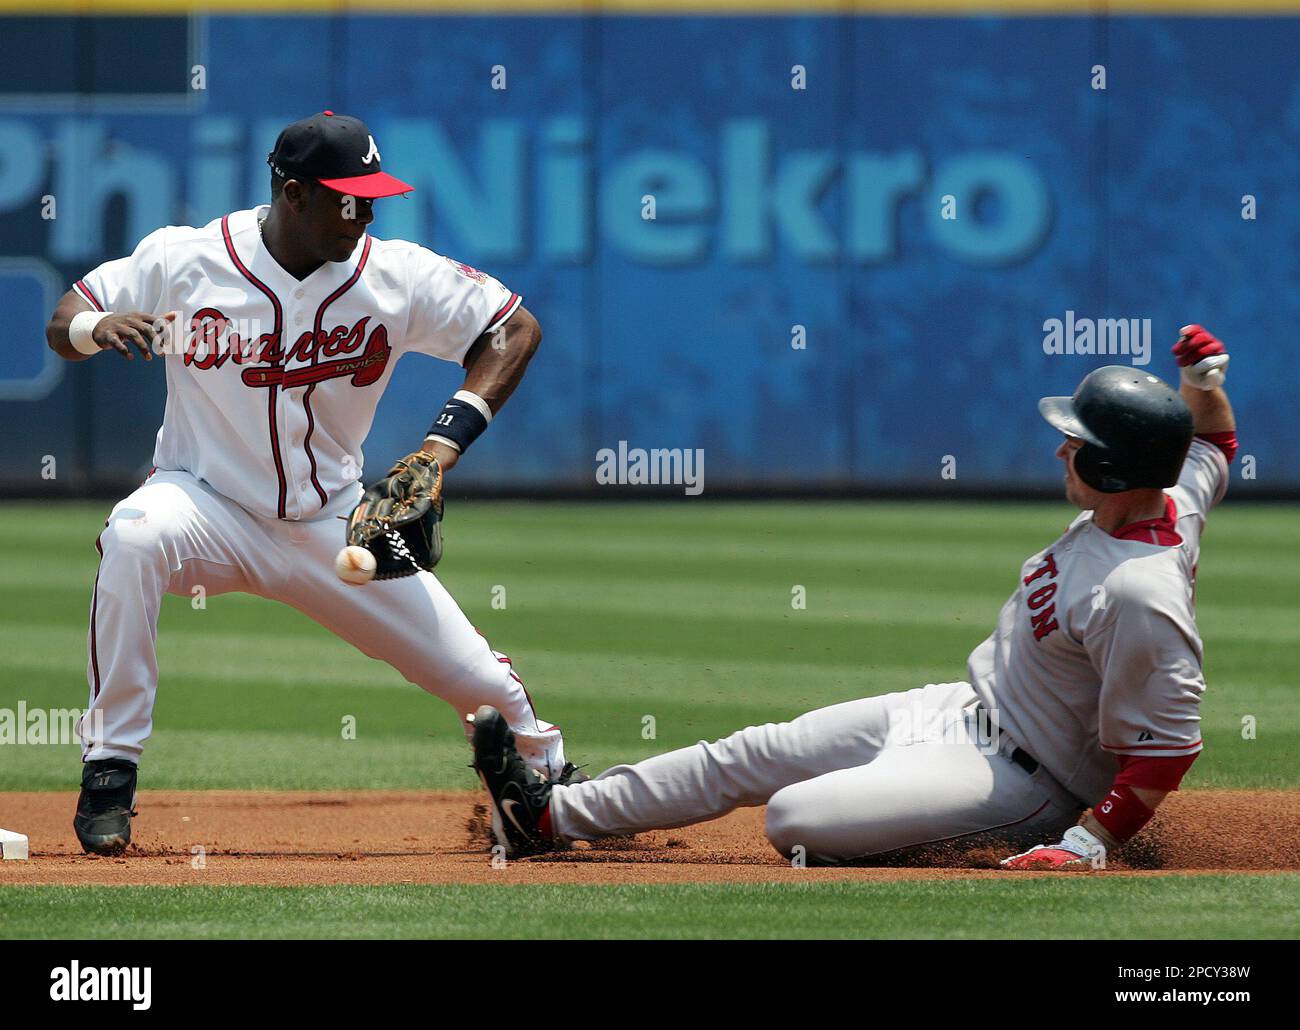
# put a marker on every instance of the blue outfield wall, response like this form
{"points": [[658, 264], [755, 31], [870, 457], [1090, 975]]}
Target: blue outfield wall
{"points": [[776, 208]]}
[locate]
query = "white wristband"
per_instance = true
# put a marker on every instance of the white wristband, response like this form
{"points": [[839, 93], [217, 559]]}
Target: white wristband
{"points": [[1206, 374], [444, 441], [474, 399], [80, 329]]}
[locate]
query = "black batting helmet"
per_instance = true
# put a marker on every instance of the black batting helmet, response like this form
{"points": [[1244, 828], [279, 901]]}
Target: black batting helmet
{"points": [[1135, 429]]}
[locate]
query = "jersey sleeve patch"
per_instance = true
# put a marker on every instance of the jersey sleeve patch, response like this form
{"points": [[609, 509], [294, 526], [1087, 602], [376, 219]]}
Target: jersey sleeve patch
{"points": [[451, 303], [469, 271]]}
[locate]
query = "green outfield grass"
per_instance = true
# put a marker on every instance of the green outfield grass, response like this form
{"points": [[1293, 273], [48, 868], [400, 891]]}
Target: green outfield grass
{"points": [[615, 612], [1076, 907]]}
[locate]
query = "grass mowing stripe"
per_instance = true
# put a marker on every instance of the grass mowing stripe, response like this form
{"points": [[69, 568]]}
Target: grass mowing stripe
{"points": [[681, 611], [1082, 907], [583, 676]]}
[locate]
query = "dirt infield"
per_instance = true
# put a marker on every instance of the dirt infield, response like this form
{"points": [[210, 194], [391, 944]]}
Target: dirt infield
{"points": [[290, 838]]}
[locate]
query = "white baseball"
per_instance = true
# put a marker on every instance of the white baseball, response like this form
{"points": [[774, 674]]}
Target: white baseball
{"points": [[355, 565]]}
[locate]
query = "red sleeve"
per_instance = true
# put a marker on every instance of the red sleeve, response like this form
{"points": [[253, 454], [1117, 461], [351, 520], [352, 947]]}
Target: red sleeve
{"points": [[1163, 773], [1226, 442]]}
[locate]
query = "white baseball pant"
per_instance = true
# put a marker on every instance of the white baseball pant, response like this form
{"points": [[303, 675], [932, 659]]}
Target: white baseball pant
{"points": [[175, 533], [854, 780]]}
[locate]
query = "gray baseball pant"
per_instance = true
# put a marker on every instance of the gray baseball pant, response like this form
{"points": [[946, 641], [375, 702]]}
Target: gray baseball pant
{"points": [[854, 780]]}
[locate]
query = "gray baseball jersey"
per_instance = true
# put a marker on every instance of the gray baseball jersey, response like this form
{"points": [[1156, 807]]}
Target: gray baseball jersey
{"points": [[1096, 654]]}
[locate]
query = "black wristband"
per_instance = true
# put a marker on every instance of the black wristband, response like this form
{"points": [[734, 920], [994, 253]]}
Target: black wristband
{"points": [[461, 422]]}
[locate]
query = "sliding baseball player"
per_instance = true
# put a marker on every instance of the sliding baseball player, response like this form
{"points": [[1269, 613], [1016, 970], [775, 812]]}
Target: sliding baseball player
{"points": [[1085, 696], [280, 327]]}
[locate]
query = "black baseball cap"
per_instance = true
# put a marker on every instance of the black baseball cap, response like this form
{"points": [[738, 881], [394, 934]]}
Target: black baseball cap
{"points": [[336, 151]]}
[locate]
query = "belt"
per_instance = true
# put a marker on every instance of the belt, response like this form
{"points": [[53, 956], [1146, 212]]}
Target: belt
{"points": [[1019, 755]]}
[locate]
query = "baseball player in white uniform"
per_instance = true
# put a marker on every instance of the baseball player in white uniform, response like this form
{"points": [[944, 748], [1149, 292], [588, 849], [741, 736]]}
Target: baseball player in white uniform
{"points": [[280, 327], [1086, 693]]}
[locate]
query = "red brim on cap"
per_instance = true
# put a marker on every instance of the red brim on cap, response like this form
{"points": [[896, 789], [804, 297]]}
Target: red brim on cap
{"points": [[380, 184]]}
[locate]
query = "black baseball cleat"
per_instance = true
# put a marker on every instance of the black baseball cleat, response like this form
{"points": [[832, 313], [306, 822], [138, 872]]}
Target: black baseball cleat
{"points": [[104, 810], [520, 797]]}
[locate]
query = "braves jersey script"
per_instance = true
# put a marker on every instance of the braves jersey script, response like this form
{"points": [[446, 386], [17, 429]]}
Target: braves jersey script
{"points": [[1096, 654], [274, 382]]}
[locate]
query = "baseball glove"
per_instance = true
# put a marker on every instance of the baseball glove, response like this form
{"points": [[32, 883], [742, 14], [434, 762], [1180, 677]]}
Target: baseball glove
{"points": [[399, 518]]}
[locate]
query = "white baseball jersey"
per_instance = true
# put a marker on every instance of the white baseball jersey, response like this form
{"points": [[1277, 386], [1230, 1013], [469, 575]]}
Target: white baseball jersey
{"points": [[1096, 654], [271, 388], [274, 382]]}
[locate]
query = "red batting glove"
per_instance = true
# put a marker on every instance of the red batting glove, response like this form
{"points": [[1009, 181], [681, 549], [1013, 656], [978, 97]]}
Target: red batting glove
{"points": [[1044, 858], [1078, 849], [1195, 344], [1201, 358]]}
